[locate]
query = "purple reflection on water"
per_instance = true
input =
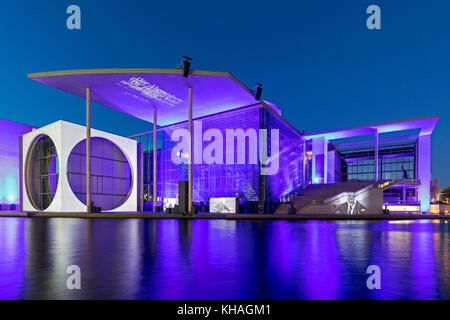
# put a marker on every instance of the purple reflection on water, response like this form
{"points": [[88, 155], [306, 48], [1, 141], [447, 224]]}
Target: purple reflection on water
{"points": [[13, 259], [223, 259], [321, 264], [423, 279]]}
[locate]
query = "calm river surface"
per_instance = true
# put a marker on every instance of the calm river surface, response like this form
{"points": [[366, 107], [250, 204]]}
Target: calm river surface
{"points": [[223, 259]]}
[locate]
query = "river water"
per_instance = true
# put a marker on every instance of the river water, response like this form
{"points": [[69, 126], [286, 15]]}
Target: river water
{"points": [[223, 259]]}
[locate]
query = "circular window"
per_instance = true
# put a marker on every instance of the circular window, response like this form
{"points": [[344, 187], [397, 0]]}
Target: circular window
{"points": [[110, 174], [41, 178]]}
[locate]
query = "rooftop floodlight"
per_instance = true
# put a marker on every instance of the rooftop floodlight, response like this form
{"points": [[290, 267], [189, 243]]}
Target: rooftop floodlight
{"points": [[186, 66], [258, 91]]}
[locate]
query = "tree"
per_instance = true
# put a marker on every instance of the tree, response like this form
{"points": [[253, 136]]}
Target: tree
{"points": [[445, 194]]}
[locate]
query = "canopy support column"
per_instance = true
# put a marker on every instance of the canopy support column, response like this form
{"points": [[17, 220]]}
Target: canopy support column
{"points": [[377, 156], [88, 150], [304, 162], [155, 155], [190, 154]]}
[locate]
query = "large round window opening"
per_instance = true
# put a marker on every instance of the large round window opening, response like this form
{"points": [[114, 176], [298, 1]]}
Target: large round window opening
{"points": [[110, 174], [42, 171]]}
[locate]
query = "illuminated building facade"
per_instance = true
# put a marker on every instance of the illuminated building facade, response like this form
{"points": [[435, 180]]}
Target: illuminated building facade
{"points": [[222, 178], [208, 105], [54, 170]]}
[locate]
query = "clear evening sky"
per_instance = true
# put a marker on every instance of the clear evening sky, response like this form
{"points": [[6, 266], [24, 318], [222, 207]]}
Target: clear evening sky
{"points": [[316, 59]]}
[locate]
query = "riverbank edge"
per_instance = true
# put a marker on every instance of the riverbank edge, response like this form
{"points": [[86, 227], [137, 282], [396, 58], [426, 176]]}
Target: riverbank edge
{"points": [[132, 215]]}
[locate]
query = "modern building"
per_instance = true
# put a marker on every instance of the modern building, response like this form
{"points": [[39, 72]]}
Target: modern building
{"points": [[398, 152], [244, 155], [229, 175]]}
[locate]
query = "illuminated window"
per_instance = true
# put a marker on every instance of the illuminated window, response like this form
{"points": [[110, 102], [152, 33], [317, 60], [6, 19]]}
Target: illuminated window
{"points": [[110, 173], [42, 172]]}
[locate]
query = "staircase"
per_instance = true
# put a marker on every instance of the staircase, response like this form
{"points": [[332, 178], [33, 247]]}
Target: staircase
{"points": [[391, 183], [317, 193]]}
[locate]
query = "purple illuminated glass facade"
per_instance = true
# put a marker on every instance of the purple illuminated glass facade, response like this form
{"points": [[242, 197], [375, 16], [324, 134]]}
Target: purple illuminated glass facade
{"points": [[226, 180], [289, 176], [110, 173]]}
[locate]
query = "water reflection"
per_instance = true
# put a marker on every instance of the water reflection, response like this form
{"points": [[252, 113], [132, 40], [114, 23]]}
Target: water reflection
{"points": [[12, 257], [223, 259]]}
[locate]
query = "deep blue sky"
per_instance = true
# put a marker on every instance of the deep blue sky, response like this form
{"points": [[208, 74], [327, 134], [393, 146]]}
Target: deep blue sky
{"points": [[316, 59]]}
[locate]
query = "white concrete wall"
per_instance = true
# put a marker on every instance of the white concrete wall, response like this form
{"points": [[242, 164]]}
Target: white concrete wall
{"points": [[66, 136], [319, 160]]}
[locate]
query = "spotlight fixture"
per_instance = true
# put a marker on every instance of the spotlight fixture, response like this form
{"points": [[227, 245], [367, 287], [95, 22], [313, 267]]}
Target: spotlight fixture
{"points": [[258, 91], [186, 66]]}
